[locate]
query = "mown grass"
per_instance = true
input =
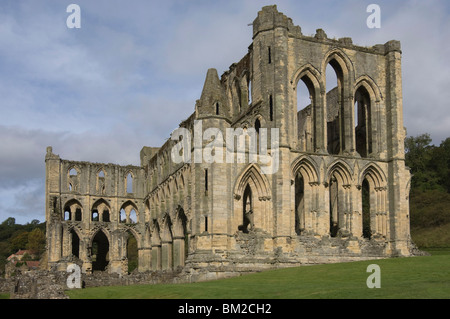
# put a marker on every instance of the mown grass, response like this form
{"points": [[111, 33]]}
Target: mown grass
{"points": [[415, 277]]}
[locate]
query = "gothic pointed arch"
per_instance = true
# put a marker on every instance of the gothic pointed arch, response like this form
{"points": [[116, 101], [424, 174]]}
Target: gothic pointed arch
{"points": [[180, 238], [155, 233], [129, 213], [95, 230], [366, 98], [166, 228], [100, 202], [251, 175], [128, 179], [99, 249], [339, 181], [307, 167], [374, 174], [133, 245], [369, 84], [252, 198], [342, 61], [72, 210], [136, 235], [236, 95], [309, 71], [339, 108], [75, 229], [73, 178], [340, 170], [75, 240], [179, 223], [73, 170], [72, 201], [155, 240], [373, 186], [101, 211], [309, 118], [101, 180], [305, 179]]}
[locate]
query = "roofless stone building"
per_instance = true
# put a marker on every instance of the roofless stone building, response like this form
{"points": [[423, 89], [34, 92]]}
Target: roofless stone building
{"points": [[337, 188]]}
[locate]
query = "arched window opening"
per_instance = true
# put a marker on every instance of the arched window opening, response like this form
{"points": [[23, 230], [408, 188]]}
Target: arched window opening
{"points": [[257, 125], [122, 216], [132, 252], [299, 204], [101, 185], [363, 129], [303, 96], [238, 95], [335, 116], [72, 182], [75, 243], [72, 211], [206, 181], [100, 252], [334, 206], [133, 217], [305, 113], [365, 193], [247, 211], [271, 108], [105, 216], [95, 215], [249, 92], [185, 233], [78, 216], [67, 214], [180, 238], [217, 108], [129, 183], [258, 138]]}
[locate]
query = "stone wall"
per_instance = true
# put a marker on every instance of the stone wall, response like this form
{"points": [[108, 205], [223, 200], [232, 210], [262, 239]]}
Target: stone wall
{"points": [[44, 284]]}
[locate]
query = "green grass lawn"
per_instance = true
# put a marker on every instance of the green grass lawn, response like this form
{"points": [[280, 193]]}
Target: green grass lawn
{"points": [[414, 277]]}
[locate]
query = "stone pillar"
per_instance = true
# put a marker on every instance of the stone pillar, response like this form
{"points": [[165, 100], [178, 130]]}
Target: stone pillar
{"points": [[398, 175], [178, 252], [166, 255], [145, 259], [156, 257]]}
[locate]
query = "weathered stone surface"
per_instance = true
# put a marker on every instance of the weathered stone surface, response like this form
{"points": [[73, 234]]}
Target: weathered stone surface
{"points": [[340, 191]]}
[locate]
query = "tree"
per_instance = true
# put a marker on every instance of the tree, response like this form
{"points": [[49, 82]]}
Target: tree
{"points": [[36, 241], [441, 163], [9, 222], [19, 240], [420, 157]]}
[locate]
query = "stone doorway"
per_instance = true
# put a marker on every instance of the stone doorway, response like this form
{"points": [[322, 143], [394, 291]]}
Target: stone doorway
{"points": [[100, 252]]}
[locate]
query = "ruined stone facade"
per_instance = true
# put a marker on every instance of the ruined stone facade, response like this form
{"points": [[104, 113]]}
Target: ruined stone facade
{"points": [[339, 191]]}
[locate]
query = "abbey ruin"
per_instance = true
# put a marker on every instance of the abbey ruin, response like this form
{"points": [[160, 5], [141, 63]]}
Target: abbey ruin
{"points": [[339, 191]]}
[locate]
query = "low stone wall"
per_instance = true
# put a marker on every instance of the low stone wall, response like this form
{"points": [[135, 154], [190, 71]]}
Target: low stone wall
{"points": [[35, 284], [43, 284]]}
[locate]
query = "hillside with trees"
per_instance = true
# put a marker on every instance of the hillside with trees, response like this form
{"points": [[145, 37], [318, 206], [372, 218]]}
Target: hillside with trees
{"points": [[15, 237], [430, 191]]}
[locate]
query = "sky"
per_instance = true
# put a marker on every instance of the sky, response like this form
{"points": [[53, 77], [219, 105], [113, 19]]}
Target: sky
{"points": [[134, 69]]}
